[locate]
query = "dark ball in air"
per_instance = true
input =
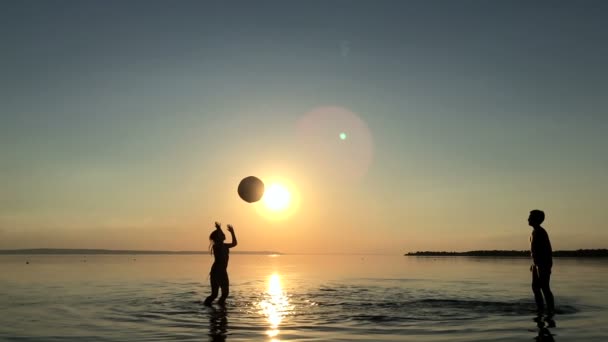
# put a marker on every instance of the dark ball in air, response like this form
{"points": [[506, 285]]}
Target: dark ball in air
{"points": [[251, 189]]}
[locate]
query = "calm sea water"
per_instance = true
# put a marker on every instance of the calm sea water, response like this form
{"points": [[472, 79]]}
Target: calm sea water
{"points": [[295, 298]]}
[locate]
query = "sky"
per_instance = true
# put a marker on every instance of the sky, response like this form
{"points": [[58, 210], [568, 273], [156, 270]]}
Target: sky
{"points": [[129, 124]]}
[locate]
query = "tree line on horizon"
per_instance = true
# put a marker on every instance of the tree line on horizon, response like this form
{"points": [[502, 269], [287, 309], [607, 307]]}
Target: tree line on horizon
{"points": [[514, 253]]}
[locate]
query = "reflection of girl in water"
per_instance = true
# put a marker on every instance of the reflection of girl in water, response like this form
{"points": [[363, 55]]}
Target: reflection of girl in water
{"points": [[219, 273]]}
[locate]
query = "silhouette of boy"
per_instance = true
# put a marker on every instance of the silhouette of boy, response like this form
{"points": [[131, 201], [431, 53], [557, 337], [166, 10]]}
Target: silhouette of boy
{"points": [[540, 248]]}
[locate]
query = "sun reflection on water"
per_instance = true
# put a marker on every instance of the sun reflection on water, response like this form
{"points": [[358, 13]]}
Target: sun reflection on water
{"points": [[275, 306]]}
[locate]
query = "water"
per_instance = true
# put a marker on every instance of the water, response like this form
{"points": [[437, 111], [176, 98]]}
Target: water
{"points": [[295, 298]]}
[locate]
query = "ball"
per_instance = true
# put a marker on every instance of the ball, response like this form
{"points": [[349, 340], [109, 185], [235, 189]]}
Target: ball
{"points": [[251, 189]]}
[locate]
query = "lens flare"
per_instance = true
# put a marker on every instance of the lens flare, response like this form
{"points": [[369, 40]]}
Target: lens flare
{"points": [[345, 159]]}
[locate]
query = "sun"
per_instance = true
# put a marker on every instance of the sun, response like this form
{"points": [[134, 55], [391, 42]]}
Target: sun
{"points": [[281, 199], [277, 197]]}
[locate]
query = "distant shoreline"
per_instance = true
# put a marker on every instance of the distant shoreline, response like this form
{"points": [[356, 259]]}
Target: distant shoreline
{"points": [[62, 251], [580, 253]]}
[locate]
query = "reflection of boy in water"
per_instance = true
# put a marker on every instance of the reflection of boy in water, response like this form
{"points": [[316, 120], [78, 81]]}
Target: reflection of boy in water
{"points": [[540, 248], [219, 273], [544, 335]]}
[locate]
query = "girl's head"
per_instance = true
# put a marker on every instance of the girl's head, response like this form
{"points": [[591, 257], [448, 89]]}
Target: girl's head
{"points": [[217, 236]]}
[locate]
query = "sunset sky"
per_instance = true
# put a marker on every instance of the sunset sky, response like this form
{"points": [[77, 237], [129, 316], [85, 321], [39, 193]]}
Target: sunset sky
{"points": [[128, 124]]}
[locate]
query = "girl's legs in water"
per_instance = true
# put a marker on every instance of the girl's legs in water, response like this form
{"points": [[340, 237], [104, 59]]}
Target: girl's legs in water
{"points": [[224, 285], [215, 285]]}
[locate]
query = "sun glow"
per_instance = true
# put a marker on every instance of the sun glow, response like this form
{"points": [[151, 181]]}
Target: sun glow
{"points": [[277, 197], [281, 199]]}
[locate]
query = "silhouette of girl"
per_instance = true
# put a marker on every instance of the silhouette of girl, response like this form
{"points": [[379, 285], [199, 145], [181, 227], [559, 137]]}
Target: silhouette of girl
{"points": [[219, 274]]}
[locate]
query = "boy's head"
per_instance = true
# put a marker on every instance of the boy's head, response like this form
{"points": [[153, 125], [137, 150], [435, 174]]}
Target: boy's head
{"points": [[536, 218]]}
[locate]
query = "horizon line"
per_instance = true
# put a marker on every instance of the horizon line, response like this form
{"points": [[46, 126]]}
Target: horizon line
{"points": [[75, 251], [117, 251]]}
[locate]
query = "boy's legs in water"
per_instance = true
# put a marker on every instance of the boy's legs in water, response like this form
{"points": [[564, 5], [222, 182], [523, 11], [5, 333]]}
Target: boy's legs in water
{"points": [[545, 278], [540, 286]]}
